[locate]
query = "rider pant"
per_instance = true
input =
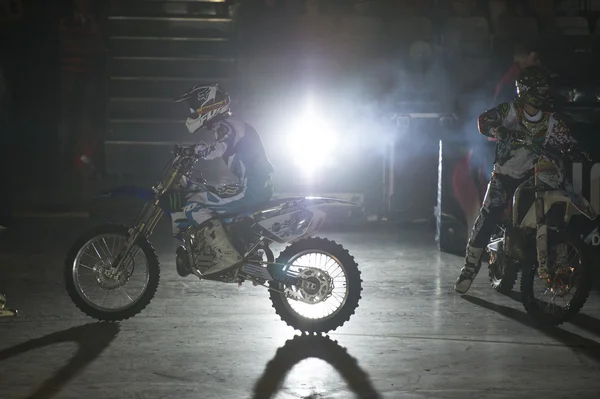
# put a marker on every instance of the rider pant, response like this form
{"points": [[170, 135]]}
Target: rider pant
{"points": [[204, 205], [500, 189], [551, 175]]}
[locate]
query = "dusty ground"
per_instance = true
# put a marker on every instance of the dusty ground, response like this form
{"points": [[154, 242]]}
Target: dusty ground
{"points": [[412, 336]]}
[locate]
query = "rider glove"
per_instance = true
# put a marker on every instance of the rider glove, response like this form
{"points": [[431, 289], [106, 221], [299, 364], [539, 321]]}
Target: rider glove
{"points": [[503, 133]]}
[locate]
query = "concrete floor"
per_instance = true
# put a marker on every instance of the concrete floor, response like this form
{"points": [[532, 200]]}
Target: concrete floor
{"points": [[412, 336]]}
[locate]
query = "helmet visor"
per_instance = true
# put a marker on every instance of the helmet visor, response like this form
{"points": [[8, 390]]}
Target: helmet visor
{"points": [[193, 114]]}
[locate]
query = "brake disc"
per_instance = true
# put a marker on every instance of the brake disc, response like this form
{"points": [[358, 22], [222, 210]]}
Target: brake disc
{"points": [[110, 281], [316, 286]]}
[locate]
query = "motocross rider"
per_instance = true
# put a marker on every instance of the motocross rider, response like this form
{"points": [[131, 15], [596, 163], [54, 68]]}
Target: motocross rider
{"points": [[240, 146], [528, 117]]}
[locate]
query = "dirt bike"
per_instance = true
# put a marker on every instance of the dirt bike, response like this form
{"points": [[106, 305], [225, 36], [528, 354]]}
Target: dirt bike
{"points": [[315, 284], [572, 226]]}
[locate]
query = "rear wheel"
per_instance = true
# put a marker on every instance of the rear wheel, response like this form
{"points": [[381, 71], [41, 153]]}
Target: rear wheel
{"points": [[331, 289], [558, 298]]}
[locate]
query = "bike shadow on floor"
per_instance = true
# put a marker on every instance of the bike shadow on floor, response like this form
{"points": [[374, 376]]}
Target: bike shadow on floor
{"points": [[92, 338], [580, 320], [586, 346], [303, 347]]}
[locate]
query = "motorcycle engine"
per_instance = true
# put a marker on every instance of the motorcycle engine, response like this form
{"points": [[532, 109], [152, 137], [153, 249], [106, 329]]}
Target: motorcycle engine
{"points": [[203, 256]]}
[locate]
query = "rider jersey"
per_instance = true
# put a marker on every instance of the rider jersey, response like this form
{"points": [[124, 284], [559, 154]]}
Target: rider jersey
{"points": [[241, 148], [543, 129]]}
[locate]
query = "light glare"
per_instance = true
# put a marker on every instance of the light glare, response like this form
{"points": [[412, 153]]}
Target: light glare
{"points": [[312, 144]]}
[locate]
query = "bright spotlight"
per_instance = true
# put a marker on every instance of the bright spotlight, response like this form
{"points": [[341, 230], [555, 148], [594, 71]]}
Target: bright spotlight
{"points": [[312, 143]]}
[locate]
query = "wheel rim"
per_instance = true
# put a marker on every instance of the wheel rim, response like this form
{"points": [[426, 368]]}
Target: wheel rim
{"points": [[333, 268], [96, 288], [553, 295]]}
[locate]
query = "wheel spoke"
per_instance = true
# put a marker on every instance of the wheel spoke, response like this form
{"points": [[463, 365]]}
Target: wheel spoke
{"points": [[326, 264], [94, 285], [126, 294], [86, 267], [566, 265], [97, 252], [95, 258], [96, 294], [338, 297], [337, 275], [108, 252]]}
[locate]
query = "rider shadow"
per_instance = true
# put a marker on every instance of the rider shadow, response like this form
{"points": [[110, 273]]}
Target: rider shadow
{"points": [[580, 320], [576, 342], [92, 338], [313, 346], [586, 322]]}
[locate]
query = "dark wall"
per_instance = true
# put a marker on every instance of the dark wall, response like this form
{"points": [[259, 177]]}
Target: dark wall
{"points": [[29, 60]]}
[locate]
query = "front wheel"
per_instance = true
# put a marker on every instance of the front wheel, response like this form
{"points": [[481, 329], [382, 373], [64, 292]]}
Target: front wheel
{"points": [[92, 284], [561, 296], [503, 272], [332, 288]]}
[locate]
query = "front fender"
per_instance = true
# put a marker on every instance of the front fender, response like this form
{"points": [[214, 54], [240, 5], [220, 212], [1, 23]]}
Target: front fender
{"points": [[143, 193]]}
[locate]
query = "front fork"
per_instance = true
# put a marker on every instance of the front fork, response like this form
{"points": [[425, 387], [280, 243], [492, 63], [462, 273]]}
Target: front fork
{"points": [[541, 237], [145, 224], [144, 227]]}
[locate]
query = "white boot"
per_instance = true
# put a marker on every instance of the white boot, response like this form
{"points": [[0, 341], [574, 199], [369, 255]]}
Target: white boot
{"points": [[226, 254], [469, 270]]}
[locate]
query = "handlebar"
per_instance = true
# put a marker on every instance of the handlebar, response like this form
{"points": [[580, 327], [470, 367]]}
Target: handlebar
{"points": [[536, 149], [526, 143], [556, 153]]}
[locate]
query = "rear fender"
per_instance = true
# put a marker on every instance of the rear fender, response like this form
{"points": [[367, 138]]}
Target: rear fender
{"points": [[581, 205], [293, 218], [313, 202], [318, 206]]}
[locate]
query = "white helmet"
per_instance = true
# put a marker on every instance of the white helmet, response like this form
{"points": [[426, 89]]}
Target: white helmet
{"points": [[208, 105]]}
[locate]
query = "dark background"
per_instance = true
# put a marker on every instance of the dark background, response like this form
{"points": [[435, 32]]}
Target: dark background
{"points": [[363, 96]]}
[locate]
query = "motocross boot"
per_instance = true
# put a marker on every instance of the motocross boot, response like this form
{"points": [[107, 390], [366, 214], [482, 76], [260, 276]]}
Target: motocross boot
{"points": [[226, 254], [6, 312], [469, 270]]}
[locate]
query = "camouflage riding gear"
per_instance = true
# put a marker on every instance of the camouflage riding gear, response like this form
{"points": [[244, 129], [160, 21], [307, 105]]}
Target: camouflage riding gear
{"points": [[513, 164]]}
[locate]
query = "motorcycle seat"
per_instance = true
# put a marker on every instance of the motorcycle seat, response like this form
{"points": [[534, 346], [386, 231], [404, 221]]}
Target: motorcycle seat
{"points": [[249, 210]]}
